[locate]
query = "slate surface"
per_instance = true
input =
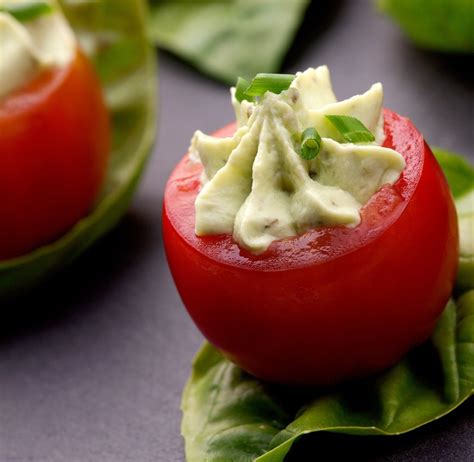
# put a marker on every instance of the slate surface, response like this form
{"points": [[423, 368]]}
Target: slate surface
{"points": [[92, 365]]}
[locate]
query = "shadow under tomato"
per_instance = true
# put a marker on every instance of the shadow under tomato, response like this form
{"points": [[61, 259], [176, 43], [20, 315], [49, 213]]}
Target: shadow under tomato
{"points": [[440, 437], [418, 445], [92, 274]]}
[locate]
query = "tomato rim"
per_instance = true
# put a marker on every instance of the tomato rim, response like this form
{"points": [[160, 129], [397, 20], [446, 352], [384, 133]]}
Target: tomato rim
{"points": [[407, 183]]}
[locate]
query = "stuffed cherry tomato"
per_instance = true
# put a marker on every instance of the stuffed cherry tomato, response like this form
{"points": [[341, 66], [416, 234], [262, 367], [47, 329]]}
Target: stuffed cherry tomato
{"points": [[54, 128], [303, 289]]}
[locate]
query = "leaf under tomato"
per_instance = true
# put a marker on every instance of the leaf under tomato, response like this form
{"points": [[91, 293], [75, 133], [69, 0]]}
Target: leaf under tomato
{"points": [[227, 39], [229, 415], [113, 34]]}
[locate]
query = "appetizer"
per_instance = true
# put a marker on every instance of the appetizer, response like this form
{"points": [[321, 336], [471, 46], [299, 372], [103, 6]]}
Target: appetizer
{"points": [[315, 240], [54, 127]]}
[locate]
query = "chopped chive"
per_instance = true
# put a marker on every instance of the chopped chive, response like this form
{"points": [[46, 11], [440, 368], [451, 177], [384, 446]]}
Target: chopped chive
{"points": [[240, 88], [27, 11], [352, 129], [310, 143], [274, 83]]}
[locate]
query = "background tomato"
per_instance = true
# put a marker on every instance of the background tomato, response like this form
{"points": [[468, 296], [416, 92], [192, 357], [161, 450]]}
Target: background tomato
{"points": [[54, 144], [335, 302]]}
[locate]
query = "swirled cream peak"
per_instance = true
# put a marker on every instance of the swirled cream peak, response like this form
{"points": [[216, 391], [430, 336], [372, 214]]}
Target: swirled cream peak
{"points": [[256, 186], [29, 46]]}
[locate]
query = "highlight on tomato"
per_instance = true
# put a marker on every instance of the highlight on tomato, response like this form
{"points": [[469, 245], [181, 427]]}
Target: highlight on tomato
{"points": [[332, 302]]}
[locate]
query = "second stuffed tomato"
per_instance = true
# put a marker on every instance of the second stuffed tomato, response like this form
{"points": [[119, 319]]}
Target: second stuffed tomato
{"points": [[54, 128], [334, 302]]}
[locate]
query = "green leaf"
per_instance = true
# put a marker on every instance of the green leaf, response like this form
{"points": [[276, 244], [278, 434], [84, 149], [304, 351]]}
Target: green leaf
{"points": [[458, 171], [27, 11], [310, 143], [460, 175], [434, 24], [275, 83], [233, 417], [465, 277], [240, 88], [113, 33], [352, 129], [228, 415], [227, 39]]}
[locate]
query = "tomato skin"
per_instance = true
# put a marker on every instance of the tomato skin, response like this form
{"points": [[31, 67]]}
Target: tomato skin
{"points": [[334, 303], [54, 145]]}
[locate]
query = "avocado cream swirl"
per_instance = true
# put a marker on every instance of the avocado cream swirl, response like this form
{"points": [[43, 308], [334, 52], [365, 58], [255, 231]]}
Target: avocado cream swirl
{"points": [[32, 43], [257, 187]]}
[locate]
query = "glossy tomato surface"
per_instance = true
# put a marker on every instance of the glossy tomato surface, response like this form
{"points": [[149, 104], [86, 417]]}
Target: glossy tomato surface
{"points": [[333, 303], [54, 144]]}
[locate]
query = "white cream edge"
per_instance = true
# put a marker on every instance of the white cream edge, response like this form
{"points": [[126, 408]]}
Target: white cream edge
{"points": [[27, 48]]}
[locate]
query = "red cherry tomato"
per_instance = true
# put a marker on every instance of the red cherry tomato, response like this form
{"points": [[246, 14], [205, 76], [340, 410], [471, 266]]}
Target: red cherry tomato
{"points": [[333, 303], [54, 144]]}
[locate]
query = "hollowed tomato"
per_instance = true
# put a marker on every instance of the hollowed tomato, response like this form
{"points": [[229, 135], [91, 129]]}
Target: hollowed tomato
{"points": [[54, 144], [335, 302]]}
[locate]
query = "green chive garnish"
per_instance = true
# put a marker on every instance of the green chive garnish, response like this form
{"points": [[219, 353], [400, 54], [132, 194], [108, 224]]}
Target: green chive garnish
{"points": [[275, 83], [310, 144], [240, 88], [352, 129], [27, 11]]}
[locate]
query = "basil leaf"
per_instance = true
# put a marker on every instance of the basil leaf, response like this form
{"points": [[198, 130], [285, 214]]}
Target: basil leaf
{"points": [[465, 277], [227, 39], [422, 21], [220, 399], [228, 415], [113, 33], [27, 11], [458, 171], [460, 175]]}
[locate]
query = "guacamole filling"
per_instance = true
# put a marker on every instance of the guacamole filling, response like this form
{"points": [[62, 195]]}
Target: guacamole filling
{"points": [[34, 36], [257, 187]]}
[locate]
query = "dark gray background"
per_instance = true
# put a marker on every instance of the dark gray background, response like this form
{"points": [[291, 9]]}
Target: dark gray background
{"points": [[92, 366]]}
